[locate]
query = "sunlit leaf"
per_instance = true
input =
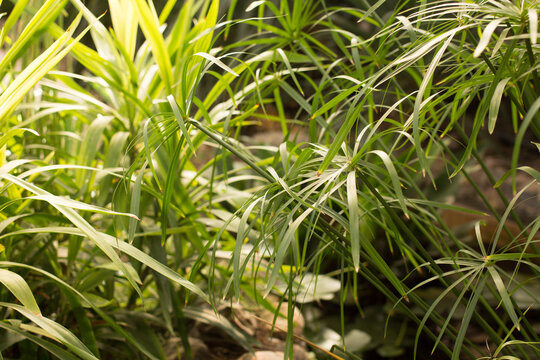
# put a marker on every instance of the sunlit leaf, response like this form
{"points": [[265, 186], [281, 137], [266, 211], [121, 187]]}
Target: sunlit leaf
{"points": [[20, 289]]}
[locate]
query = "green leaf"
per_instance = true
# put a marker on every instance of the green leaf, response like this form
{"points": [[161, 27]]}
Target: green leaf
{"points": [[254, 5], [336, 100], [283, 247], [90, 146], [86, 301], [217, 62], [82, 224], [66, 202], [469, 311], [288, 65], [16, 90], [423, 49], [345, 129], [371, 10], [181, 121], [416, 121], [135, 202], [531, 113], [45, 15], [503, 293], [113, 158], [12, 19], [495, 103], [83, 322], [127, 249], [486, 36], [125, 23], [55, 331], [20, 289], [394, 177], [47, 345], [533, 25], [241, 235], [354, 225], [149, 23], [11, 133], [146, 336], [532, 172]]}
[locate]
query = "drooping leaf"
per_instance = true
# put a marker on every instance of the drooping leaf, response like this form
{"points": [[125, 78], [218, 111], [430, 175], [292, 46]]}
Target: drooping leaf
{"points": [[20, 289]]}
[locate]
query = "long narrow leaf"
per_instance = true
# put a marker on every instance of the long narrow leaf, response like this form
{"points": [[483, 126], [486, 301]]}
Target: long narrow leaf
{"points": [[354, 226], [20, 289]]}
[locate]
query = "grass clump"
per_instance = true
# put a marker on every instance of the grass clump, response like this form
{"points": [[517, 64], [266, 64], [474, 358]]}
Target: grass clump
{"points": [[140, 200]]}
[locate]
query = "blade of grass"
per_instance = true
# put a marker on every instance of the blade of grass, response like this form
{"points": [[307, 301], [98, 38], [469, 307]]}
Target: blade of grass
{"points": [[495, 104], [354, 226], [149, 23], [20, 289], [56, 331], [15, 92]]}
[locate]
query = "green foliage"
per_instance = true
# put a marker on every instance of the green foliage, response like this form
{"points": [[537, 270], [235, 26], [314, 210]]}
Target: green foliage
{"points": [[132, 202]]}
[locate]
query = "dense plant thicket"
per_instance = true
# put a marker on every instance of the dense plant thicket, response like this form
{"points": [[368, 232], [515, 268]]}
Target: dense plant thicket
{"points": [[194, 154]]}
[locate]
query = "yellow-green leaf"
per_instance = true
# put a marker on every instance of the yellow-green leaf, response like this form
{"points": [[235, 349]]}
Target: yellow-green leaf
{"points": [[20, 289]]}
